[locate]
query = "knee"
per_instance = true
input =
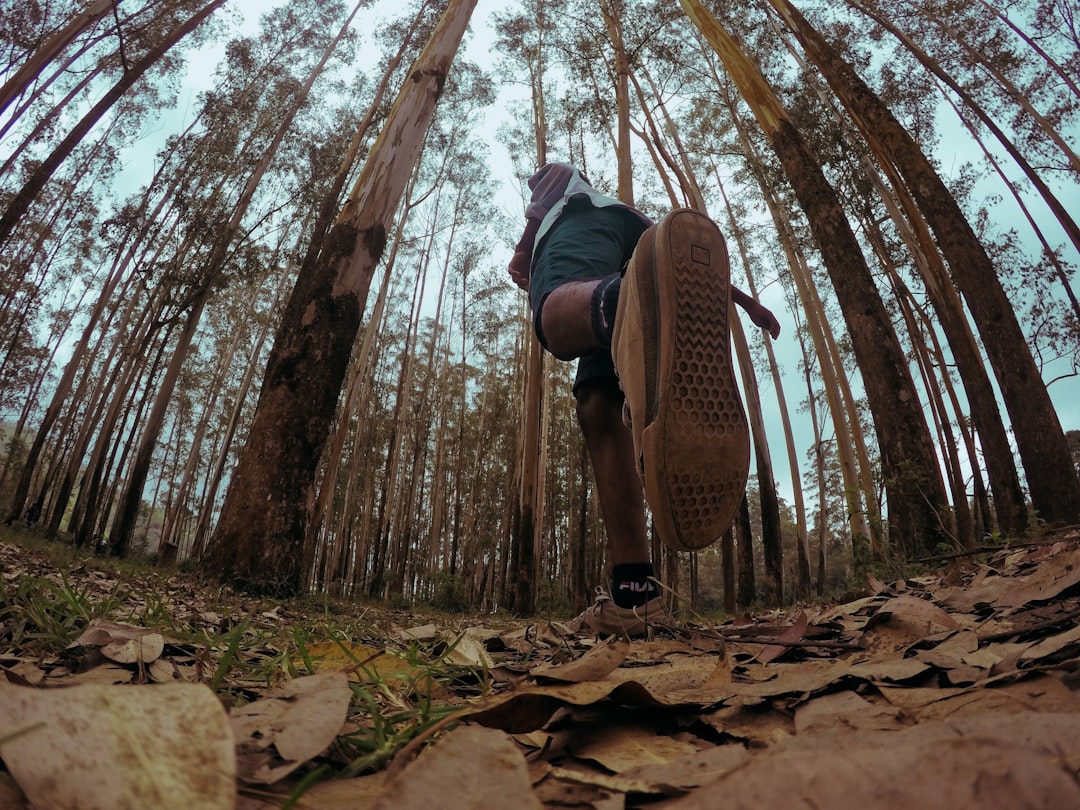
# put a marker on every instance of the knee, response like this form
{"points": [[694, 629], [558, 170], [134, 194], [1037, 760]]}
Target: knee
{"points": [[551, 332]]}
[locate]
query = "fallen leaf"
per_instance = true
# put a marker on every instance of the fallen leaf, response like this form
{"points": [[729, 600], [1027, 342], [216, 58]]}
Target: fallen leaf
{"points": [[343, 794], [1051, 646], [794, 633], [91, 747], [961, 774], [528, 709], [425, 632], [690, 771], [805, 677], [139, 650], [845, 710], [368, 664], [101, 632], [468, 649], [620, 747], [300, 719], [471, 767], [594, 665], [916, 608]]}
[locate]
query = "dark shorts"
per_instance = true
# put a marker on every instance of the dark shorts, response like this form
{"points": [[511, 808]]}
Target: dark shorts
{"points": [[585, 243]]}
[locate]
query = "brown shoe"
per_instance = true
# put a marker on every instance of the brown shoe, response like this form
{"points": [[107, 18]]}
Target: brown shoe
{"points": [[672, 352], [606, 618]]}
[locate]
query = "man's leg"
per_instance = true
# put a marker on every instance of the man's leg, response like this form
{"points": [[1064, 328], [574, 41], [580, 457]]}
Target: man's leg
{"points": [[618, 487], [579, 316], [633, 603]]}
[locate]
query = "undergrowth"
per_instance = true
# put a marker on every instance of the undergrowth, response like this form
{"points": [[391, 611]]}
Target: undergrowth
{"points": [[239, 646]]}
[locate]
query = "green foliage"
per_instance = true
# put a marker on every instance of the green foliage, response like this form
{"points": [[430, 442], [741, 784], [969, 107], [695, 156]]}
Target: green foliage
{"points": [[42, 615], [450, 593], [374, 743]]}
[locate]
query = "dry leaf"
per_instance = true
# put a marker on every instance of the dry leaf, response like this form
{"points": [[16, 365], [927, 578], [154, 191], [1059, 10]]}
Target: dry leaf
{"points": [[915, 608], [809, 676], [594, 665], [366, 664], [619, 747], [1049, 646], [794, 633], [139, 650], [690, 771], [300, 719], [468, 649], [101, 632], [961, 774], [343, 794], [425, 632], [471, 768], [91, 747], [845, 710]]}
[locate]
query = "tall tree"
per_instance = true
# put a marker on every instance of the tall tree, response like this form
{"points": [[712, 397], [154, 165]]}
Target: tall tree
{"points": [[261, 538], [918, 505], [1054, 486], [41, 174]]}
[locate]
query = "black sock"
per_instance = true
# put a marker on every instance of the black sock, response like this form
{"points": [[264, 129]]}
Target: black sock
{"points": [[631, 585], [605, 300]]}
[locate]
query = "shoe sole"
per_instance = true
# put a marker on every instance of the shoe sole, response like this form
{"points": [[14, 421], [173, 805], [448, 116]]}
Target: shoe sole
{"points": [[697, 448]]}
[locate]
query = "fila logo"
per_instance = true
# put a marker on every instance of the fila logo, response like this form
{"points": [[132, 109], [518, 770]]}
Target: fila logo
{"points": [[636, 587]]}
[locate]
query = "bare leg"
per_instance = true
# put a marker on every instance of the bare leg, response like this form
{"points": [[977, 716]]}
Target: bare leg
{"points": [[611, 449], [566, 322]]}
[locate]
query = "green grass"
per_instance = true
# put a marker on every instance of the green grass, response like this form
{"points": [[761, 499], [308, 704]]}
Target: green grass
{"points": [[43, 612]]}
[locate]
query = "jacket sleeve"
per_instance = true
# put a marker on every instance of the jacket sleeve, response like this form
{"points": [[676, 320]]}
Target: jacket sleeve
{"points": [[548, 187]]}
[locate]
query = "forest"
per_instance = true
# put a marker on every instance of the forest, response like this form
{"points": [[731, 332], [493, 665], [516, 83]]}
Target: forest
{"points": [[255, 319]]}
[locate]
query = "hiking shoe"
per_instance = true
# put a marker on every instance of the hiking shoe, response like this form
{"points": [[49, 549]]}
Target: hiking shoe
{"points": [[672, 353], [604, 617]]}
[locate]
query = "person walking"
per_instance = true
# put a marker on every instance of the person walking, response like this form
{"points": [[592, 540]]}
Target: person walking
{"points": [[644, 309]]}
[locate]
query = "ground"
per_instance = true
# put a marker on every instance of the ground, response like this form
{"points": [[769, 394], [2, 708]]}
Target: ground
{"points": [[955, 688]]}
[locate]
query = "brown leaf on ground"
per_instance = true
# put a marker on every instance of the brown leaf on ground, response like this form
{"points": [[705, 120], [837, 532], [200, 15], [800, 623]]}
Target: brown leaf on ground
{"points": [[961, 774], [847, 710], [597, 663], [122, 643], [830, 709], [794, 633], [619, 747], [690, 771], [447, 775], [300, 719], [92, 747], [915, 608]]}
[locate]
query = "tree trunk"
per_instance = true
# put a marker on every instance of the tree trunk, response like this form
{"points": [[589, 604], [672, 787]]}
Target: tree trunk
{"points": [[745, 549], [917, 501], [260, 542], [41, 174], [1048, 465], [25, 75]]}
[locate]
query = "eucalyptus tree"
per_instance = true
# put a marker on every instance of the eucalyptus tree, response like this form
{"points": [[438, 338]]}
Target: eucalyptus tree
{"points": [[918, 505], [157, 48], [870, 197], [525, 38], [1054, 486], [267, 548], [222, 248]]}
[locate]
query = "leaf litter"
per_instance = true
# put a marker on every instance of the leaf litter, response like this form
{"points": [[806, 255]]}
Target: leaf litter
{"points": [[956, 689]]}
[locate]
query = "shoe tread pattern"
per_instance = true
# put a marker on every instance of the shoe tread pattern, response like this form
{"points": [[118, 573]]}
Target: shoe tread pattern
{"points": [[704, 409]]}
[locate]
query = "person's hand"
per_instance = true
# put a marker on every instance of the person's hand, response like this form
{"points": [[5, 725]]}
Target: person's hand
{"points": [[519, 269], [761, 315]]}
